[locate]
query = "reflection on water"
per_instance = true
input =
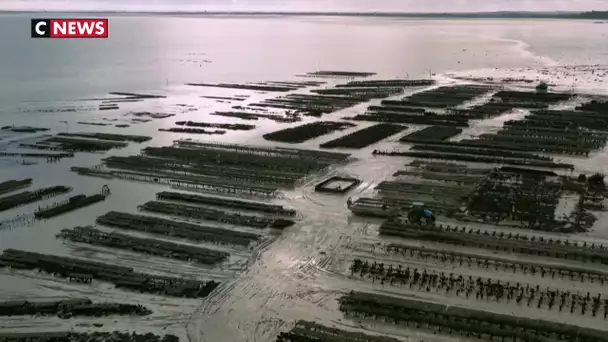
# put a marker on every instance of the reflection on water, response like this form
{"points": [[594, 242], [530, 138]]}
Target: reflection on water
{"points": [[148, 52]]}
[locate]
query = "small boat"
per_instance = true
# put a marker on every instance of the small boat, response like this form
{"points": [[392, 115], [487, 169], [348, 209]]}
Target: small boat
{"points": [[542, 86]]}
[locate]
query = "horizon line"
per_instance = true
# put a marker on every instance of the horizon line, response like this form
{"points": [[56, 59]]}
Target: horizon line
{"points": [[574, 15], [296, 12]]}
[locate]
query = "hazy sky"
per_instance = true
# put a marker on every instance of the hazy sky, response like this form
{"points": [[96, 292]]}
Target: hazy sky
{"points": [[308, 5]]}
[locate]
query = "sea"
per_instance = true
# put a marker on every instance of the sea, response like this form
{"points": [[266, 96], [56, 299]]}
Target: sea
{"points": [[159, 54]]}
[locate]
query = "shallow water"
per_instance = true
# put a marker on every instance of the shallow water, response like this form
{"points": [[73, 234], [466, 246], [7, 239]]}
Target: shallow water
{"points": [[145, 52], [300, 274]]}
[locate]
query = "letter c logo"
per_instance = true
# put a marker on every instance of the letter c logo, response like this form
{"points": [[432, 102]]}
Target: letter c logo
{"points": [[38, 30], [41, 28]]}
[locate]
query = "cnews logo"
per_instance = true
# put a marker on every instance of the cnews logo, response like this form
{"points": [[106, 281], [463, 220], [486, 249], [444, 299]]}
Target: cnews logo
{"points": [[70, 28]]}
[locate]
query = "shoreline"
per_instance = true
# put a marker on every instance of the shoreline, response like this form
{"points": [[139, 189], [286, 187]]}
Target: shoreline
{"points": [[599, 15]]}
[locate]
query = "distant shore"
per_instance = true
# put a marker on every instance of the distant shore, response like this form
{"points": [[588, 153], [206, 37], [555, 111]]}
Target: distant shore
{"points": [[593, 15]]}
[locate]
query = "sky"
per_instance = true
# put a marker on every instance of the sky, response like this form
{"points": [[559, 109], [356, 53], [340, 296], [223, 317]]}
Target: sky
{"points": [[306, 5]]}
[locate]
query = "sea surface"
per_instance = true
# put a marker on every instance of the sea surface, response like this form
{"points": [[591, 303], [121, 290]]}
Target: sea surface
{"points": [[149, 52], [159, 54]]}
